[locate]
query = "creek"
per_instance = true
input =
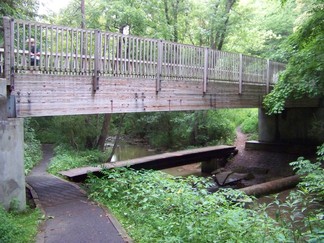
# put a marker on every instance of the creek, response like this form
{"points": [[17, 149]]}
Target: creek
{"points": [[126, 151]]}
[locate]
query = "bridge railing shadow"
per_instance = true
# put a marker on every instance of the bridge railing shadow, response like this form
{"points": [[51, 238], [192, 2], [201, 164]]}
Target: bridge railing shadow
{"points": [[73, 51]]}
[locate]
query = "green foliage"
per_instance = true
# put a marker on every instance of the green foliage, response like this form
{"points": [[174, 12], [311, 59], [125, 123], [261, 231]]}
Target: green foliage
{"points": [[32, 152], [304, 74], [19, 226], [177, 130], [155, 207], [24, 9], [301, 204], [250, 123], [312, 174], [301, 215], [67, 158], [79, 132]]}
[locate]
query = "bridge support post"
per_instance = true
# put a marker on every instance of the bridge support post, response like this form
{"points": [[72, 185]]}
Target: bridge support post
{"points": [[12, 177]]}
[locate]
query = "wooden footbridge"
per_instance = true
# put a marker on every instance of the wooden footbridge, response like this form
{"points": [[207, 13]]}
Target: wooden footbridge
{"points": [[49, 70], [212, 157], [81, 71]]}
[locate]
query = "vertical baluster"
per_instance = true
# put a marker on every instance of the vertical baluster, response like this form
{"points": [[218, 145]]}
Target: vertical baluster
{"points": [[126, 69], [133, 57], [71, 67], [143, 59], [140, 57], [41, 62], [24, 46], [113, 55], [36, 44], [110, 61], [82, 52], [61, 50], [104, 68], [119, 56], [86, 54], [137, 58], [46, 50], [18, 45], [56, 50], [66, 50], [159, 71]]}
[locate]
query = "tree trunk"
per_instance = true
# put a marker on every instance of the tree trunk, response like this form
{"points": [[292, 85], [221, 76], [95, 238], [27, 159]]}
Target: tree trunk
{"points": [[104, 132], [83, 25], [117, 139], [272, 186]]}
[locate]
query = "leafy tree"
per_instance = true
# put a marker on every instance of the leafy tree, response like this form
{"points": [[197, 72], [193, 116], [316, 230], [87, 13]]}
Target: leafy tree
{"points": [[304, 74], [23, 9], [211, 30]]}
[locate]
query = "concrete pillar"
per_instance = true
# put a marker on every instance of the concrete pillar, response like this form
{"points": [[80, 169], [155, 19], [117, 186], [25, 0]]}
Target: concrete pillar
{"points": [[12, 176], [267, 126]]}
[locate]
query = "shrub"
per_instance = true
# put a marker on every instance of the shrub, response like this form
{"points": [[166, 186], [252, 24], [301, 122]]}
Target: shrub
{"points": [[155, 207], [32, 152], [67, 158], [250, 124]]}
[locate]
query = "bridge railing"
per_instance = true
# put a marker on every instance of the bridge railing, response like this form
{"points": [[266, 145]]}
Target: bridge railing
{"points": [[73, 51]]}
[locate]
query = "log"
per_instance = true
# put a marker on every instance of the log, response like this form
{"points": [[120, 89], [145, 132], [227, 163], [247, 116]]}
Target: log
{"points": [[272, 186]]}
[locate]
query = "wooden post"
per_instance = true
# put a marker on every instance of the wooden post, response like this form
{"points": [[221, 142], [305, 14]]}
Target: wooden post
{"points": [[8, 50], [95, 78], [241, 74], [159, 66], [268, 77], [205, 71]]}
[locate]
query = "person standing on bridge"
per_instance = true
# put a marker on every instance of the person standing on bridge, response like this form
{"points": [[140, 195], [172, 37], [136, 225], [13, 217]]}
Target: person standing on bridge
{"points": [[33, 52]]}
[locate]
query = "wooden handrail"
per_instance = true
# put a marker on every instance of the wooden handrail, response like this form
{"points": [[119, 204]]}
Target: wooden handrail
{"points": [[90, 52]]}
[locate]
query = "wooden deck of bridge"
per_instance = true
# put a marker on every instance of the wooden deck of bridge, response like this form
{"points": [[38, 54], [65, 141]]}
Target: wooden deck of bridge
{"points": [[157, 162]]}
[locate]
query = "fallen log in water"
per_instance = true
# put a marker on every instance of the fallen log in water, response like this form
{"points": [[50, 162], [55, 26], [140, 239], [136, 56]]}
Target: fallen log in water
{"points": [[272, 186]]}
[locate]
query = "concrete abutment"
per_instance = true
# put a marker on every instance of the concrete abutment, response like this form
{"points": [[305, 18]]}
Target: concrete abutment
{"points": [[302, 126]]}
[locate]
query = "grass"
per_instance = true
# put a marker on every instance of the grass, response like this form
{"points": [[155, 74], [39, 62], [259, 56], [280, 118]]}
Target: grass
{"points": [[19, 226], [66, 159]]}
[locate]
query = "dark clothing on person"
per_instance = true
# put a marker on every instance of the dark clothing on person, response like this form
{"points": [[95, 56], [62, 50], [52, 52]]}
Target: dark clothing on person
{"points": [[34, 56]]}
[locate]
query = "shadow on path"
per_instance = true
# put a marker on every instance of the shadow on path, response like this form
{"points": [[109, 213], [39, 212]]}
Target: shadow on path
{"points": [[70, 216]]}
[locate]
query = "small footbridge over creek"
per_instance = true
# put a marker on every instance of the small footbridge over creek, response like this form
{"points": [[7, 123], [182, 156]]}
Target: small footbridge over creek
{"points": [[50, 70]]}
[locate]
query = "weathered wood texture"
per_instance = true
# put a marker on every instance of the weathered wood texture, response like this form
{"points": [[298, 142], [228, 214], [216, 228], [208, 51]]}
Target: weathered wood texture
{"points": [[45, 95], [158, 161], [90, 72]]}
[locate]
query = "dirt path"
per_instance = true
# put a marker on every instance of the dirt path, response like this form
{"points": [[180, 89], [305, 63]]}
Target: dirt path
{"points": [[264, 165]]}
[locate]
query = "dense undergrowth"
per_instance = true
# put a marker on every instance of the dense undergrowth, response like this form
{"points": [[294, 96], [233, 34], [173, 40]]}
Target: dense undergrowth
{"points": [[19, 226], [156, 207]]}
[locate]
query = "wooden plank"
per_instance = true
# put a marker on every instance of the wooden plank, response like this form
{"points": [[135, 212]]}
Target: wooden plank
{"points": [[47, 95], [159, 161]]}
